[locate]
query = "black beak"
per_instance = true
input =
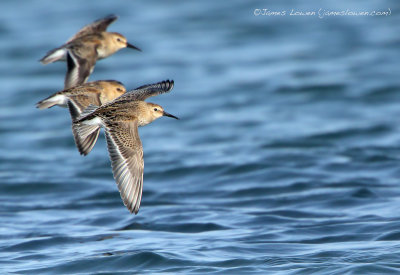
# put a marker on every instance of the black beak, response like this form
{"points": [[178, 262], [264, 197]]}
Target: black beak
{"points": [[132, 47], [168, 114]]}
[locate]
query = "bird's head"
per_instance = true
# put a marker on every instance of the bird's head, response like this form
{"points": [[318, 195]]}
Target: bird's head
{"points": [[155, 111], [119, 41], [111, 90]]}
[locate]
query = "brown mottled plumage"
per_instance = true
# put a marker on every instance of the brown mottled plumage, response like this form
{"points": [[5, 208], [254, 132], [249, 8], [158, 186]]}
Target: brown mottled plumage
{"points": [[91, 93], [121, 119], [79, 98], [82, 50]]}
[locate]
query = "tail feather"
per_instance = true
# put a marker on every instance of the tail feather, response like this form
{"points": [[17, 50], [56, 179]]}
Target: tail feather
{"points": [[55, 99], [54, 55], [45, 104]]}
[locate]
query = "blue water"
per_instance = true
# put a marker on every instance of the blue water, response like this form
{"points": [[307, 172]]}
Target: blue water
{"points": [[286, 159]]}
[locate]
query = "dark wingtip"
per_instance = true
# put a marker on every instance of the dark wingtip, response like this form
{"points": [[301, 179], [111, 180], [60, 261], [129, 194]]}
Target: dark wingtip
{"points": [[112, 17], [167, 85], [132, 209]]}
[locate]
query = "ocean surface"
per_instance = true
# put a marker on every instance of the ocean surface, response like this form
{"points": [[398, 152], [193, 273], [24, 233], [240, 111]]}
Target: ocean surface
{"points": [[286, 159]]}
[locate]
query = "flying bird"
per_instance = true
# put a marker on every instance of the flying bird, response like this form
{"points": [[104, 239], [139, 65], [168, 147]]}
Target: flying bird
{"points": [[88, 45], [121, 118], [78, 98]]}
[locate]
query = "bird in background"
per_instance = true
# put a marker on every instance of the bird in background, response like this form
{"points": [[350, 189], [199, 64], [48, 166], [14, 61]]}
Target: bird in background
{"points": [[121, 118], [78, 98], [88, 45]]}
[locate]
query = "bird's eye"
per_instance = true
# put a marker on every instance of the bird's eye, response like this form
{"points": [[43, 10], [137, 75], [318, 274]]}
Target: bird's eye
{"points": [[119, 90], [119, 39], [155, 109]]}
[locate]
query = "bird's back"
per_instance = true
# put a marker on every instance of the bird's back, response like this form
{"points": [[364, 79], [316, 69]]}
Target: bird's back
{"points": [[117, 110]]}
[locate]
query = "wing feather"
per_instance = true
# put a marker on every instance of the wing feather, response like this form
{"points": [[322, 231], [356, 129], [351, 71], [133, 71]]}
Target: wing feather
{"points": [[79, 67], [100, 25], [82, 101], [126, 154], [145, 91]]}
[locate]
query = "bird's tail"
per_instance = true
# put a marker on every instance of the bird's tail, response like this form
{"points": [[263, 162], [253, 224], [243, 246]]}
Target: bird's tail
{"points": [[51, 101], [54, 55], [45, 104]]}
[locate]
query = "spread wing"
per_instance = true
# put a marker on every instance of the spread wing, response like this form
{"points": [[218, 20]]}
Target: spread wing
{"points": [[80, 63], [100, 25], [143, 92], [81, 102], [85, 136], [77, 103], [126, 154]]}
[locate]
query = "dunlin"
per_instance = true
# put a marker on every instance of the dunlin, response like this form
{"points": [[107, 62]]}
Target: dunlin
{"points": [[82, 50], [121, 119], [78, 98]]}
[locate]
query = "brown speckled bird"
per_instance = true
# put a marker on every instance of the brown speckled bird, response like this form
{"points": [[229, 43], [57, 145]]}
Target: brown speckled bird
{"points": [[82, 50], [121, 119], [78, 98]]}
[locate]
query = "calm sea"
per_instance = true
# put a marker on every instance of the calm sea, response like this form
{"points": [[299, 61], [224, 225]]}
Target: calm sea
{"points": [[286, 159]]}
